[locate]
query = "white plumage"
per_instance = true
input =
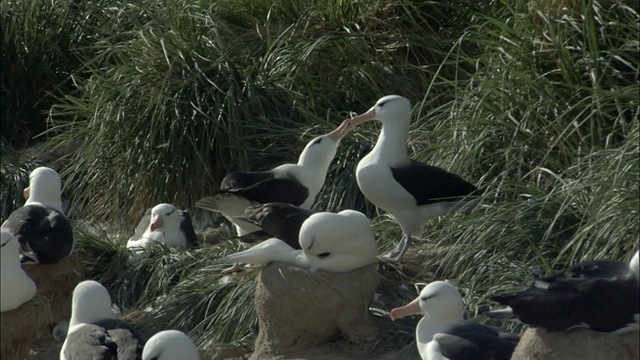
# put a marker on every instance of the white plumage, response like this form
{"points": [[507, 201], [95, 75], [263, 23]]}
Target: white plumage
{"points": [[17, 286]]}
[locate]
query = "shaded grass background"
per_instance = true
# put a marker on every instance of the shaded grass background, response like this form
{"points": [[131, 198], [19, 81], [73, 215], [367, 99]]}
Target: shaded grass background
{"points": [[537, 101]]}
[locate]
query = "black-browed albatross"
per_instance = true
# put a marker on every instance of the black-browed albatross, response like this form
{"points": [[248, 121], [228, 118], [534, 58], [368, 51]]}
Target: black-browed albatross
{"points": [[296, 184], [41, 226], [444, 334], [95, 334], [410, 191], [600, 295], [279, 220]]}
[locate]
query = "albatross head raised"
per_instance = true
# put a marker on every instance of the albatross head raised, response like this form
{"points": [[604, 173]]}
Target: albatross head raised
{"points": [[390, 109]]}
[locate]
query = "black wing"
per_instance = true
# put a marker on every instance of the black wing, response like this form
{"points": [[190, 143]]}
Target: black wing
{"points": [[279, 220], [43, 233], [469, 340], [243, 179], [284, 190], [186, 226], [430, 184], [605, 303], [105, 340]]}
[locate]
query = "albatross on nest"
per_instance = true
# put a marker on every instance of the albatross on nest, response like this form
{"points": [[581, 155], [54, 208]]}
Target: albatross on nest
{"points": [[17, 286], [410, 191], [600, 295], [444, 334], [329, 242], [164, 224], [95, 334], [41, 226], [296, 184]]}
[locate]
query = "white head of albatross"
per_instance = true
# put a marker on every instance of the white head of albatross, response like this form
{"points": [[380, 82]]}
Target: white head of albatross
{"points": [[339, 242], [410, 191], [314, 161], [441, 305], [44, 188], [170, 345], [90, 303]]}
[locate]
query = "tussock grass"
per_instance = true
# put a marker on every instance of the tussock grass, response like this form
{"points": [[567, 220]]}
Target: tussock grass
{"points": [[535, 101]]}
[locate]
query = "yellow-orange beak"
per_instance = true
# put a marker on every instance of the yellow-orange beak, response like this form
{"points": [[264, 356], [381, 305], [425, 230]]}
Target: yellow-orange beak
{"points": [[26, 192], [340, 131], [158, 223], [409, 309], [359, 119]]}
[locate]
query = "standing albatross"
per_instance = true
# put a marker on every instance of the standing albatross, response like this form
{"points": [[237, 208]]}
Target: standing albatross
{"points": [[444, 334], [410, 191], [40, 226], [296, 184]]}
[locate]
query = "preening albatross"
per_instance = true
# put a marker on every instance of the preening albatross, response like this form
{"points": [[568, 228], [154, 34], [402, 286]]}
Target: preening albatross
{"points": [[444, 334], [296, 184], [17, 286], [329, 242], [410, 191], [41, 226], [600, 295]]}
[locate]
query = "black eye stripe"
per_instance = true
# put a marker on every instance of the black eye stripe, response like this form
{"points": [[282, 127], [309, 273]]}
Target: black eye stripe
{"points": [[171, 212], [5, 243], [324, 255], [317, 141], [428, 297]]}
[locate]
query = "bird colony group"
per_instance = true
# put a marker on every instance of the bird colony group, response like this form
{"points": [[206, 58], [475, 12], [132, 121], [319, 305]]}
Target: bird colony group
{"points": [[271, 209]]}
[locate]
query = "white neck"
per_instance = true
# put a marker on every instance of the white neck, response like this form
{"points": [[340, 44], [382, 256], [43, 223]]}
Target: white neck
{"points": [[429, 326], [391, 147], [49, 200]]}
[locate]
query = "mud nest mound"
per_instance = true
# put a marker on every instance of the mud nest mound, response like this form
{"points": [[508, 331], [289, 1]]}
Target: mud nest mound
{"points": [[22, 326], [298, 310], [56, 283]]}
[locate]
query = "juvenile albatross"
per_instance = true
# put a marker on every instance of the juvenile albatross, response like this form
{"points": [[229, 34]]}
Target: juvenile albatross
{"points": [[41, 226], [296, 184], [444, 334], [410, 191], [600, 295]]}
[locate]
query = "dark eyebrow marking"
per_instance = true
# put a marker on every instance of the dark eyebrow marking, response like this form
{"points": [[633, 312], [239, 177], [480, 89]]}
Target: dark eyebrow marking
{"points": [[324, 255], [6, 242], [428, 297], [385, 102], [171, 212], [317, 141], [313, 240]]}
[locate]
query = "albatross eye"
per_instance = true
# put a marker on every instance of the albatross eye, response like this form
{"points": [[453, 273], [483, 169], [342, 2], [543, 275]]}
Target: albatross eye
{"points": [[317, 141], [324, 255]]}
